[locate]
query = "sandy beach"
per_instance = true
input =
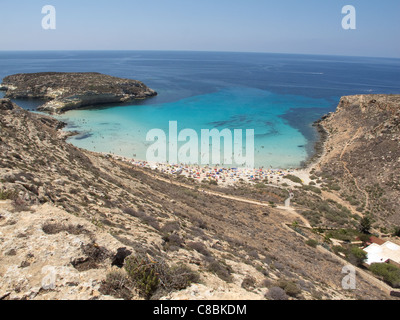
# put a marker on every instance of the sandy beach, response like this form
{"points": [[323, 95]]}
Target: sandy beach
{"points": [[223, 176]]}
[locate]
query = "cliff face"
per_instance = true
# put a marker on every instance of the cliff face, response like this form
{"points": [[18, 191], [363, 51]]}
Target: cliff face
{"points": [[65, 212], [66, 91], [363, 154]]}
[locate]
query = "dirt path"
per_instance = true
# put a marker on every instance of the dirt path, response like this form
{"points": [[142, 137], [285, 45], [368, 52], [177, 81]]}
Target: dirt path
{"points": [[334, 197], [286, 211], [357, 134]]}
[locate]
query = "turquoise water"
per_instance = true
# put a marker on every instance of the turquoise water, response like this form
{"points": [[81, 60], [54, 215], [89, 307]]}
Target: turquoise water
{"points": [[277, 95], [122, 130]]}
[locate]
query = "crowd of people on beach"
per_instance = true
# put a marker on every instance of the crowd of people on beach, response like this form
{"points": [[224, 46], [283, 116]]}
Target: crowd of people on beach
{"points": [[221, 175]]}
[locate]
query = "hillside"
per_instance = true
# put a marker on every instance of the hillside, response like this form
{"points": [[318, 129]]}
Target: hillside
{"points": [[76, 216], [362, 155]]}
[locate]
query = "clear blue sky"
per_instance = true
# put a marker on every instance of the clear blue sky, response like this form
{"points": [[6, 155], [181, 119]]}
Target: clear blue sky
{"points": [[287, 26]]}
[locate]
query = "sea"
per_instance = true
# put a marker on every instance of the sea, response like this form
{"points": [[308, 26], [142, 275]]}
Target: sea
{"points": [[279, 96]]}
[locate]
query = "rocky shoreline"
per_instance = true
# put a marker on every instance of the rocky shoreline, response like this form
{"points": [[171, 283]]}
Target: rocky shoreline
{"points": [[319, 145], [63, 91]]}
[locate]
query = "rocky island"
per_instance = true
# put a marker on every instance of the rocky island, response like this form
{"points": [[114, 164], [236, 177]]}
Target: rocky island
{"points": [[64, 91]]}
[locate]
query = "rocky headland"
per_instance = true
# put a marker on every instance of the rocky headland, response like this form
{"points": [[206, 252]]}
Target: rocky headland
{"points": [[62, 91], [361, 155]]}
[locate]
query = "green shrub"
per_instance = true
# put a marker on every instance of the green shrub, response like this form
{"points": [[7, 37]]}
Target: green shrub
{"points": [[356, 256], [191, 193], [144, 274], [365, 238], [180, 277], [299, 231], [312, 189], [312, 243], [334, 187], [249, 283], [199, 247], [276, 293], [389, 273], [354, 202], [172, 242], [396, 231], [314, 218], [170, 227], [149, 275], [344, 234], [293, 178], [260, 186], [118, 285], [365, 225], [291, 289], [221, 269]]}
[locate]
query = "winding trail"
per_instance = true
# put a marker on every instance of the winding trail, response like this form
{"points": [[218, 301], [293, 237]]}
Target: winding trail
{"points": [[289, 212], [334, 197], [357, 134], [286, 211]]}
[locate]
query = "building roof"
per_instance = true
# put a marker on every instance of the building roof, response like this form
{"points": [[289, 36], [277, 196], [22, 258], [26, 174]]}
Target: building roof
{"points": [[376, 240], [381, 253]]}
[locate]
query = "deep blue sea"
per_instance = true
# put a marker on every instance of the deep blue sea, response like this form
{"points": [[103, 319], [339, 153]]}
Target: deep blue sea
{"points": [[277, 95]]}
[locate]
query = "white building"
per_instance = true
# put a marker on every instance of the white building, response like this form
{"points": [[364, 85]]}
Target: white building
{"points": [[387, 252]]}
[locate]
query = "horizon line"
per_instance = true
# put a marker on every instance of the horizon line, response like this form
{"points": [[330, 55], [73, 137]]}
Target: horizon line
{"points": [[203, 51]]}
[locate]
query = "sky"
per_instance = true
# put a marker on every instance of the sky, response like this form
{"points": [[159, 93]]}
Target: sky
{"points": [[278, 26]]}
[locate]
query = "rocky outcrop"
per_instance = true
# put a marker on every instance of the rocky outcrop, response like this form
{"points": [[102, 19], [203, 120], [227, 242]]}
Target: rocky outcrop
{"points": [[65, 91], [363, 154], [47, 253], [6, 104]]}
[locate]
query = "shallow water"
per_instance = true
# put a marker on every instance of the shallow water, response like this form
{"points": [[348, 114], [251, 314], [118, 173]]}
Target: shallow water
{"points": [[122, 130], [277, 95]]}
